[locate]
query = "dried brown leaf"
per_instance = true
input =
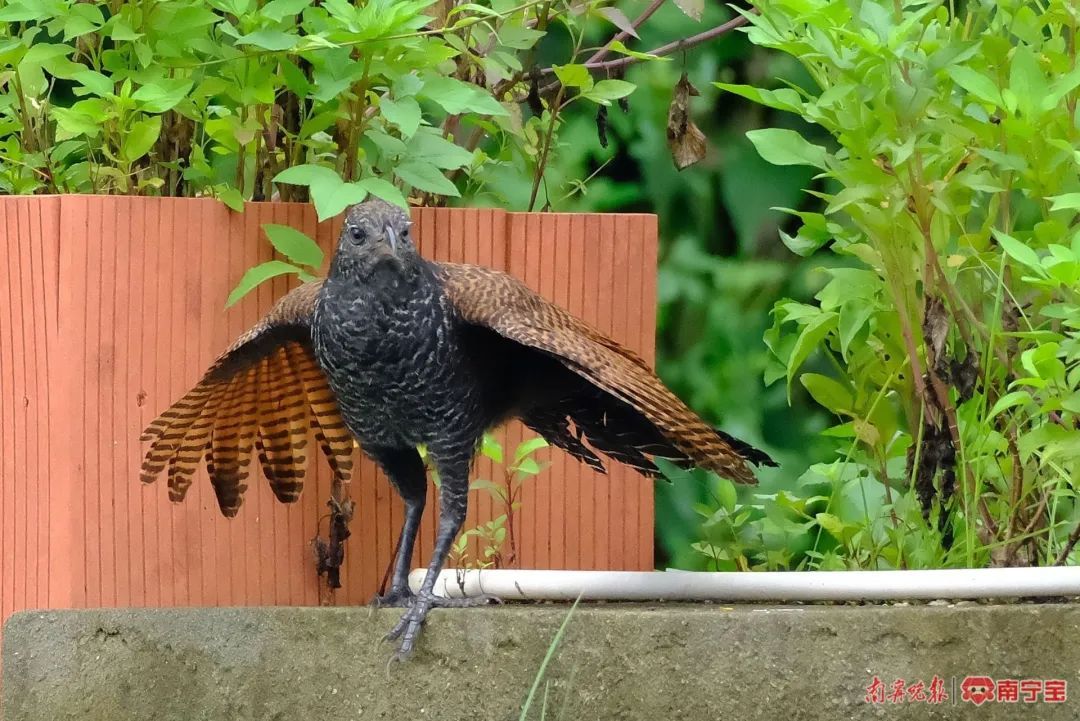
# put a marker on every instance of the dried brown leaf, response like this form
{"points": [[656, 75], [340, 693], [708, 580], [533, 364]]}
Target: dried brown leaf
{"points": [[618, 18], [693, 8], [935, 327], [685, 139]]}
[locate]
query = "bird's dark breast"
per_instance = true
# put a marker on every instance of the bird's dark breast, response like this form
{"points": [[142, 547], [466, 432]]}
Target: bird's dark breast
{"points": [[394, 357]]}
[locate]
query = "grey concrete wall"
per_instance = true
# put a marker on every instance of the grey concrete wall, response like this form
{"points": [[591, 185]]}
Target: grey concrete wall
{"points": [[617, 662]]}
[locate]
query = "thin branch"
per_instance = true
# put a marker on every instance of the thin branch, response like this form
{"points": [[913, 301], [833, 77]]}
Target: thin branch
{"points": [[554, 109], [1069, 545], [664, 50], [624, 34], [1036, 516]]}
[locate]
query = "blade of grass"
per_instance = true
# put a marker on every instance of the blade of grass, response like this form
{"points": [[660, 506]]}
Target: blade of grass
{"points": [[547, 659]]}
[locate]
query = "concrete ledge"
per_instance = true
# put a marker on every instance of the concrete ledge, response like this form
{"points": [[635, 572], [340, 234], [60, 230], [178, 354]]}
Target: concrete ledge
{"points": [[616, 662]]}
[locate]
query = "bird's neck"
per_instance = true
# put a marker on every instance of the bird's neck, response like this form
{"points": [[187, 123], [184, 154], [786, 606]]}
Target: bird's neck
{"points": [[388, 285]]}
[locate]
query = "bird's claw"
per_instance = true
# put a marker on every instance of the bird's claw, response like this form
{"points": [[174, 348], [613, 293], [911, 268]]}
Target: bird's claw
{"points": [[398, 597], [408, 628]]}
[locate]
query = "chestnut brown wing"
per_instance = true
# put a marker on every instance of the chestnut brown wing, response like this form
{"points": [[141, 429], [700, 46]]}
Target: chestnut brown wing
{"points": [[622, 408]]}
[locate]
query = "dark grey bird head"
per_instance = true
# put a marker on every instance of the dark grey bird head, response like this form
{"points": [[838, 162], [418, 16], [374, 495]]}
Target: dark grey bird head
{"points": [[375, 235]]}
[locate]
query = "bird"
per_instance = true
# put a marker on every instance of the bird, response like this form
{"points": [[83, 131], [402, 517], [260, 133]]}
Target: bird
{"points": [[396, 352]]}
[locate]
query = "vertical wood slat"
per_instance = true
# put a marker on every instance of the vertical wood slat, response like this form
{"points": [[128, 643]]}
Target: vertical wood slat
{"points": [[9, 349], [110, 308], [27, 294]]}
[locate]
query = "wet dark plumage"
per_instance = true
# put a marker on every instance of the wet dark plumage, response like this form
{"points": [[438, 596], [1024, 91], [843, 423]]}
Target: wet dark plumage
{"points": [[396, 351]]}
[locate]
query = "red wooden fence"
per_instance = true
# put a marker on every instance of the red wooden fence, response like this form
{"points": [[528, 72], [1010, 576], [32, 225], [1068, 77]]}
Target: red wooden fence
{"points": [[111, 307]]}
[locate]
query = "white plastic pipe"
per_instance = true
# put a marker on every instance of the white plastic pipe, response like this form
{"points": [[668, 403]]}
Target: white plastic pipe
{"points": [[757, 586]]}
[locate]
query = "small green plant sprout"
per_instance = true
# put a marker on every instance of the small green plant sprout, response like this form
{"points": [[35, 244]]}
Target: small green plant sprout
{"points": [[304, 256], [493, 536]]}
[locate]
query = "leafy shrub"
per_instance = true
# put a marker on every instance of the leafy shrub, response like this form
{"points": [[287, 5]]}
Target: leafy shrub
{"points": [[949, 327], [228, 97]]}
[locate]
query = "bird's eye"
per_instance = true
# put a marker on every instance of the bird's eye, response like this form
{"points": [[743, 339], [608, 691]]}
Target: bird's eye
{"points": [[357, 233]]}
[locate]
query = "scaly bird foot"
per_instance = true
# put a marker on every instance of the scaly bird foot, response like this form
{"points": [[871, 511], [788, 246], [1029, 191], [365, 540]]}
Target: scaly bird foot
{"points": [[398, 597], [408, 628]]}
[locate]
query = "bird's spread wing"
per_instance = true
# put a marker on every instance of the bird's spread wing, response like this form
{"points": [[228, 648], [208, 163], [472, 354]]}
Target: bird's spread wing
{"points": [[623, 409], [261, 394]]}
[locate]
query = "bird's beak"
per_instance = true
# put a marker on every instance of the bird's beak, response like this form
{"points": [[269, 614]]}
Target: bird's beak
{"points": [[392, 237]]}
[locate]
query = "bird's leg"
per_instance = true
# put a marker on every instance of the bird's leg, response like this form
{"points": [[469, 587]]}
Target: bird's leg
{"points": [[405, 470], [453, 502]]}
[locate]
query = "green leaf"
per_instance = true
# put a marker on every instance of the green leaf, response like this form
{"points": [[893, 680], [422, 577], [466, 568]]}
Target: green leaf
{"points": [[836, 528], [93, 82], [388, 145], [73, 122], [1018, 251], [1007, 401], [483, 484], [528, 466], [808, 339], [979, 85], [853, 316], [1061, 86], [306, 174], [780, 146], [491, 448], [473, 8], [528, 447], [574, 76], [121, 31], [332, 197], [781, 98], [162, 96], [257, 275], [1027, 81], [232, 198], [607, 90], [617, 46], [275, 40], [1068, 201], [518, 37], [295, 80], [432, 148], [48, 56], [404, 113], [426, 177], [828, 393], [83, 18], [1072, 403], [457, 97], [384, 189], [25, 11], [140, 137], [329, 192], [726, 494], [801, 244], [279, 9], [294, 245]]}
